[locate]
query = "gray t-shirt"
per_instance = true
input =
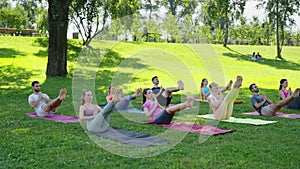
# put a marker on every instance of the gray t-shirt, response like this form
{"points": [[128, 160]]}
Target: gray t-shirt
{"points": [[257, 99], [34, 97]]}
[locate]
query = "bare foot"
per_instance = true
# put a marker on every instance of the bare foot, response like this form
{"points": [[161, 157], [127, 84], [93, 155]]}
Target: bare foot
{"points": [[230, 83], [238, 82], [138, 92], [62, 94], [189, 101], [180, 85], [117, 95], [296, 93]]}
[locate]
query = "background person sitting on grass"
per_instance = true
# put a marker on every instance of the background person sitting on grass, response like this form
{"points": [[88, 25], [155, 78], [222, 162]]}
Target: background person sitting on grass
{"points": [[265, 106], [160, 115], [41, 103]]}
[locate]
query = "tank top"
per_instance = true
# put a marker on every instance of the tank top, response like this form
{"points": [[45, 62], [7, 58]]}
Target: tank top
{"points": [[89, 112], [285, 93]]}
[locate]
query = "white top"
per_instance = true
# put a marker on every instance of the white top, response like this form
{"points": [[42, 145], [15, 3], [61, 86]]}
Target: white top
{"points": [[34, 97]]}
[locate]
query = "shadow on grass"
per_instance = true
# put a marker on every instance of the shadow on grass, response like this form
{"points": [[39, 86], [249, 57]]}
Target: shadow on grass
{"points": [[42, 53], [9, 53], [278, 64], [111, 59], [14, 77], [74, 48], [42, 42]]}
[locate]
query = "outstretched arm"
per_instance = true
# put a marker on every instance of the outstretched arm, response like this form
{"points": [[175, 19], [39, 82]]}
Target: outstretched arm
{"points": [[226, 87]]}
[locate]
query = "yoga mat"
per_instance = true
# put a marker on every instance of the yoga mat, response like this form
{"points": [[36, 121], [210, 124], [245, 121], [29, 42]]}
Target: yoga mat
{"points": [[132, 110], [200, 100], [206, 101], [56, 117], [130, 137], [193, 128], [239, 120], [277, 114]]}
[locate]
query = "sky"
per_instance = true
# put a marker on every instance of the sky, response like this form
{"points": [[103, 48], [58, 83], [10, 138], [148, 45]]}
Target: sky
{"points": [[250, 10]]}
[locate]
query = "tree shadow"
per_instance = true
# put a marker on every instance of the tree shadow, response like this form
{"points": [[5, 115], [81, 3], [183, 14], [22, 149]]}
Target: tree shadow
{"points": [[42, 53], [278, 64], [74, 48], [42, 42], [14, 77], [111, 59], [10, 53]]}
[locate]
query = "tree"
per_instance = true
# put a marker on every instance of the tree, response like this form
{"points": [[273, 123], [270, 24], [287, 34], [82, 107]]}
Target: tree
{"points": [[137, 28], [10, 17], [220, 14], [86, 15], [280, 13], [173, 33], [30, 7], [150, 6], [116, 29], [151, 31], [42, 22], [58, 12]]}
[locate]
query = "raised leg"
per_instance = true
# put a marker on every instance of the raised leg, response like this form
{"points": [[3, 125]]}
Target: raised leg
{"points": [[278, 105], [101, 121], [187, 104], [226, 108], [168, 92], [125, 101], [51, 106]]}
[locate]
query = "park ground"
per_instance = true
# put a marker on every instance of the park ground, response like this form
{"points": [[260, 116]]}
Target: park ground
{"points": [[36, 143]]}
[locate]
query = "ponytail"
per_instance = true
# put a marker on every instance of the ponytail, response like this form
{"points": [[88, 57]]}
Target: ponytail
{"points": [[202, 81], [281, 82]]}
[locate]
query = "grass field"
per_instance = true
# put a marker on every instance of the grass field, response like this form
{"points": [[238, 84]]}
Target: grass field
{"points": [[35, 143]]}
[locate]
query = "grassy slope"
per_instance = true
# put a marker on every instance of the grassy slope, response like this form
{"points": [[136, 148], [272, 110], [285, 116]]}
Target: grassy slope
{"points": [[31, 143]]}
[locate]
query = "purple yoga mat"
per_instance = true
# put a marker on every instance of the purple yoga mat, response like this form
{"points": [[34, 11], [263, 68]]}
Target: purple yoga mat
{"points": [[193, 128], [57, 118], [278, 114]]}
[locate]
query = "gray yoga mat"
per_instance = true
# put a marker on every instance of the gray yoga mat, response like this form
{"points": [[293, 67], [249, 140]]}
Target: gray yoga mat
{"points": [[130, 137]]}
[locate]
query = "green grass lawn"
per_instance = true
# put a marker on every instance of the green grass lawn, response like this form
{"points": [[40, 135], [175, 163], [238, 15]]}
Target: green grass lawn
{"points": [[36, 143]]}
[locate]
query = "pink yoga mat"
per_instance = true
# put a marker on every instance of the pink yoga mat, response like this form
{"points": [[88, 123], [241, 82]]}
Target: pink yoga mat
{"points": [[278, 114], [193, 128], [57, 118]]}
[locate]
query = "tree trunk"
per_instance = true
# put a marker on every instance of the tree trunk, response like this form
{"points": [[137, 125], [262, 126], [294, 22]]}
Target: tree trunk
{"points": [[58, 11], [277, 31], [226, 26]]}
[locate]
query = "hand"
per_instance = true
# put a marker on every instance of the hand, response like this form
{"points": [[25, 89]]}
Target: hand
{"points": [[230, 83], [41, 95], [264, 97], [290, 91], [161, 89]]}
